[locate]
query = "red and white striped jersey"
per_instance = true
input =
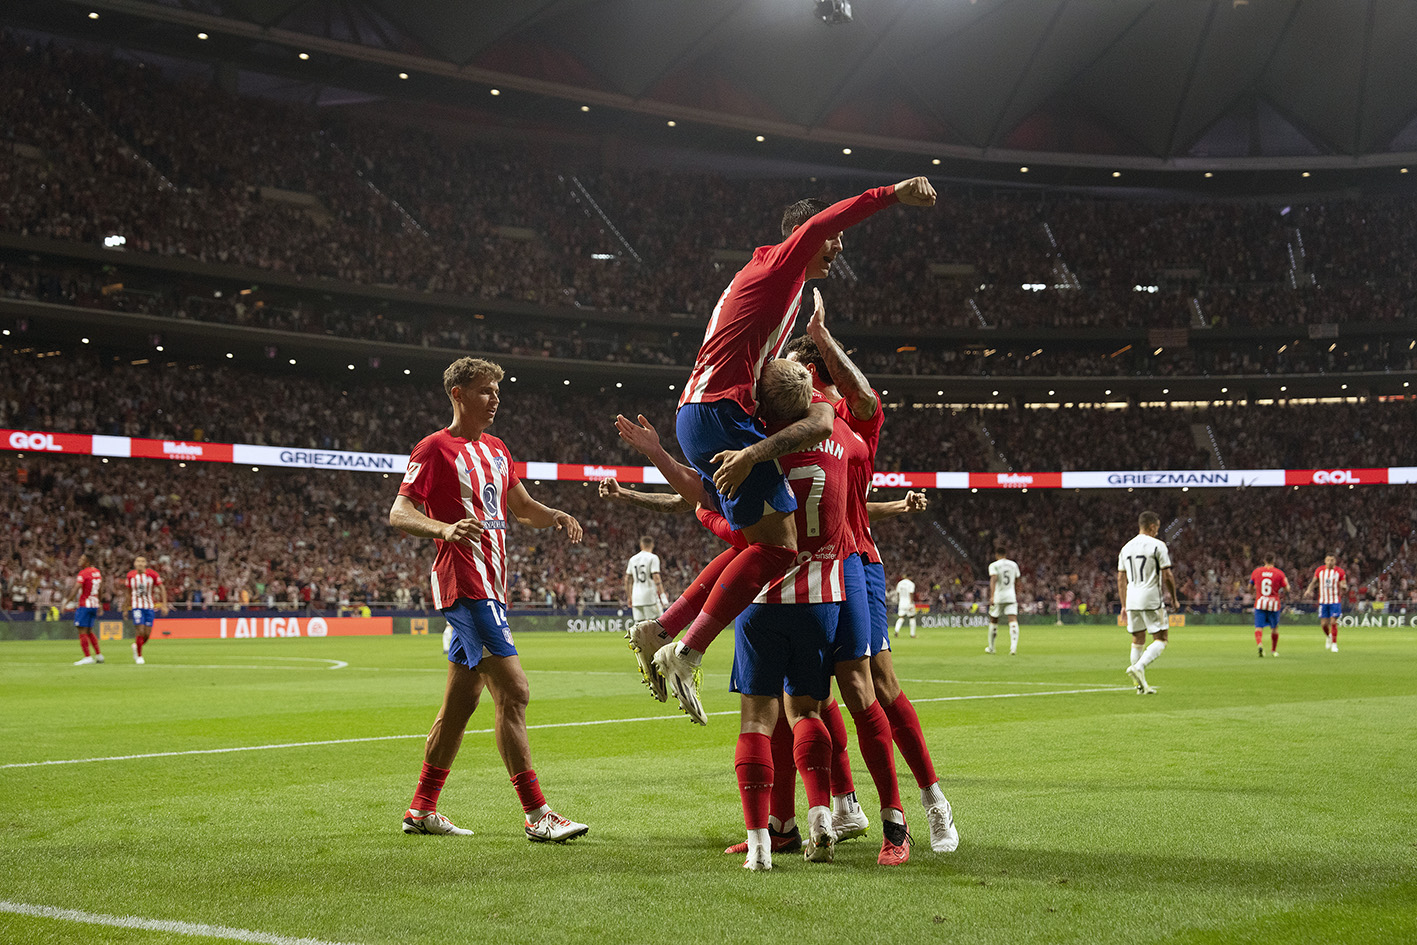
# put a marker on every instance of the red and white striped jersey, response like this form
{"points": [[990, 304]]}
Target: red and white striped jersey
{"points": [[90, 580], [753, 318], [1268, 582], [141, 585], [1328, 580], [454, 478], [861, 456]]}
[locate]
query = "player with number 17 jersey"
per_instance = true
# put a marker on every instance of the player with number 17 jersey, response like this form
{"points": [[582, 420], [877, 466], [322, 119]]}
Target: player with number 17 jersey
{"points": [[455, 478]]}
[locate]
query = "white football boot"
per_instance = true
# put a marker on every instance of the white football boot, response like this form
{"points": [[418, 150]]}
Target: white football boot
{"points": [[646, 637], [85, 661], [849, 821], [551, 827], [682, 675], [944, 838], [821, 839], [432, 822]]}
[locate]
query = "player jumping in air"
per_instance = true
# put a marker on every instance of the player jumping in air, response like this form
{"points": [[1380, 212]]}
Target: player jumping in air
{"points": [[1269, 583], [1143, 566], [721, 440], [88, 585], [464, 481], [1003, 598], [1332, 584], [141, 582]]}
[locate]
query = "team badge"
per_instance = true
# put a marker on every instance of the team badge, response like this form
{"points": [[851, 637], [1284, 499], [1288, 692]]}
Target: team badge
{"points": [[412, 473]]}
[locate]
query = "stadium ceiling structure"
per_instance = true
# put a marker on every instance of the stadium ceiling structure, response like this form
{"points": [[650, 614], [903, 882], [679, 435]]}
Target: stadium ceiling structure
{"points": [[1146, 84]]}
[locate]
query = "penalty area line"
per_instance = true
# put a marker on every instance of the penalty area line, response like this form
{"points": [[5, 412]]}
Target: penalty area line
{"points": [[488, 731], [172, 926]]}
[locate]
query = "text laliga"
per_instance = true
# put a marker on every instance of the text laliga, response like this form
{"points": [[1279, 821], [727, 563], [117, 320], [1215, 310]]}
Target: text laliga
{"points": [[34, 441]]}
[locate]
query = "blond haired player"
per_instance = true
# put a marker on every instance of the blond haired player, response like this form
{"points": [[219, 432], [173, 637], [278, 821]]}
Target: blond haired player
{"points": [[1003, 598], [1143, 567]]}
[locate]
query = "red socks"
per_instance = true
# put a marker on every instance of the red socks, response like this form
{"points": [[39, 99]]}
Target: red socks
{"points": [[1273, 640], [430, 784], [138, 642], [905, 729], [1259, 637], [84, 641], [753, 762], [873, 733], [1333, 632], [841, 764], [812, 750], [690, 604], [744, 577], [528, 790], [784, 772], [93, 642]]}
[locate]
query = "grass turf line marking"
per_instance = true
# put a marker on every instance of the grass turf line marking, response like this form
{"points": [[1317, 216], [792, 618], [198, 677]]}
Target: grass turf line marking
{"points": [[201, 930], [488, 731]]}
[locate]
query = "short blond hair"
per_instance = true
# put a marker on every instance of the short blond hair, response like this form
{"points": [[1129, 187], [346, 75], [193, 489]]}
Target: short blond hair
{"points": [[784, 391], [464, 371]]}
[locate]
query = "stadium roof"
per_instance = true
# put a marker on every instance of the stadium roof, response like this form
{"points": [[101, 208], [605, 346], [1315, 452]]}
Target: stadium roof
{"points": [[1146, 84]]}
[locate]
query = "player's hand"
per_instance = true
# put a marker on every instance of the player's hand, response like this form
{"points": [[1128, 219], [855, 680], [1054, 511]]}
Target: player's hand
{"points": [[610, 489], [565, 522], [915, 192], [916, 502], [466, 532], [818, 322], [733, 468], [640, 433]]}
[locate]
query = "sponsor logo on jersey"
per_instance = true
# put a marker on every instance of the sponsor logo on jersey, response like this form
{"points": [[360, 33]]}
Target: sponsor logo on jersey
{"points": [[412, 473], [490, 507]]}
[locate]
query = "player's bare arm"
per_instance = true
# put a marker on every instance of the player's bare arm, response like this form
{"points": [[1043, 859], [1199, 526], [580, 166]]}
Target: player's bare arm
{"points": [[1168, 580], [1310, 589], [532, 513], [913, 503], [409, 519], [642, 435], [1122, 589], [669, 503], [162, 602], [847, 377], [734, 465]]}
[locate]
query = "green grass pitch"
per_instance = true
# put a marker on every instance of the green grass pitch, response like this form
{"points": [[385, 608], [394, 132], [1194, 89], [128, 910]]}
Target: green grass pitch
{"points": [[1251, 800]]}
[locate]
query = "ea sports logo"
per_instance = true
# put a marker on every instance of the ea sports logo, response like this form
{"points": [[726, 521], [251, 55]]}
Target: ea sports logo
{"points": [[34, 441], [1334, 477]]}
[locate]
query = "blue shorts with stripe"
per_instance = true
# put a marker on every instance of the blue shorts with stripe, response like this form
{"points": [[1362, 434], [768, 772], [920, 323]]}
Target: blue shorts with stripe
{"points": [[142, 616], [704, 431], [784, 648], [83, 617], [876, 591], [1330, 611], [853, 629], [1267, 618], [479, 629]]}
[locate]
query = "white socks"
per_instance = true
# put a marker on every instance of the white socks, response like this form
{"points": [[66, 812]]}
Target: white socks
{"points": [[932, 796], [1152, 652], [1136, 653], [912, 626], [993, 634], [1013, 636], [845, 803], [891, 815]]}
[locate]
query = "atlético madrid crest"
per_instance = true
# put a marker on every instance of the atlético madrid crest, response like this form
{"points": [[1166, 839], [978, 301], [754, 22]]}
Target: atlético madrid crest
{"points": [[499, 463]]}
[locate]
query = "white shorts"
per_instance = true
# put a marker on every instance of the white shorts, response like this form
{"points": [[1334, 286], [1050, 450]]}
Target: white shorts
{"points": [[907, 611], [1147, 621], [647, 612], [1003, 610]]}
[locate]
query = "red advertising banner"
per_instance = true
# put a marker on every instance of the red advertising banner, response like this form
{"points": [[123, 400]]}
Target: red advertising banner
{"points": [[180, 449], [1335, 477], [1010, 480], [904, 480], [257, 628], [27, 441]]}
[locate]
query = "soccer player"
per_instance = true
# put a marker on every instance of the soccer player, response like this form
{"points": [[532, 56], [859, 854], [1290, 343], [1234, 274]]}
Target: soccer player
{"points": [[1332, 584], [141, 582], [1003, 597], [905, 603], [837, 378], [716, 430], [1269, 583], [88, 585], [464, 481], [1143, 566], [644, 591]]}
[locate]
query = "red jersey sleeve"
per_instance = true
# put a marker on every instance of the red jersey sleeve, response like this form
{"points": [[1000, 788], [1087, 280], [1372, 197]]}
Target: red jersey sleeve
{"points": [[717, 524], [418, 478], [809, 237]]}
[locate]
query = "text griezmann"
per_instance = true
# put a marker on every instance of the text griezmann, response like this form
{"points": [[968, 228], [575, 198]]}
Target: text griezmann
{"points": [[346, 460]]}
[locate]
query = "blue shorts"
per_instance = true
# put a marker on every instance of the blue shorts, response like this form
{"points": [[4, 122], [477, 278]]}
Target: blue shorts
{"points": [[479, 629], [876, 589], [853, 630], [83, 617], [1267, 618], [784, 648], [1330, 611], [704, 431], [142, 616]]}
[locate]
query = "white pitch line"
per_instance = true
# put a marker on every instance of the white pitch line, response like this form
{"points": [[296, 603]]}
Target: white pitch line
{"points": [[488, 731], [201, 930]]}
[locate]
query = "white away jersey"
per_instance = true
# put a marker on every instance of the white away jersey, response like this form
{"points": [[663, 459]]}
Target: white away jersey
{"points": [[1142, 559], [643, 567], [905, 597], [1006, 573]]}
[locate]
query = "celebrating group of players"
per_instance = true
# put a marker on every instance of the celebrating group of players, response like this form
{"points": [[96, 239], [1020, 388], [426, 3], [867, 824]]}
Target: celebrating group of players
{"points": [[146, 595]]}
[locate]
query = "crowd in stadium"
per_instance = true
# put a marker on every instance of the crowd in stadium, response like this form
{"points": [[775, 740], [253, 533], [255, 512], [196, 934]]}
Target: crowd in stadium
{"points": [[111, 147]]}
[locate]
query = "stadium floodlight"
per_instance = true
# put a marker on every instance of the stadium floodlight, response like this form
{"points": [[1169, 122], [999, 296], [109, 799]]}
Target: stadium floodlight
{"points": [[403, 75], [203, 36], [114, 241], [833, 12], [935, 161], [760, 138], [845, 150], [304, 56], [159, 347], [93, 16]]}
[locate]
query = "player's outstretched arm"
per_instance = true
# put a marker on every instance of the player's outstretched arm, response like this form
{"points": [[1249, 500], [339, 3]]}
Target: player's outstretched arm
{"points": [[664, 502], [808, 238], [912, 503], [642, 435], [406, 517], [530, 512], [844, 373], [734, 465]]}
